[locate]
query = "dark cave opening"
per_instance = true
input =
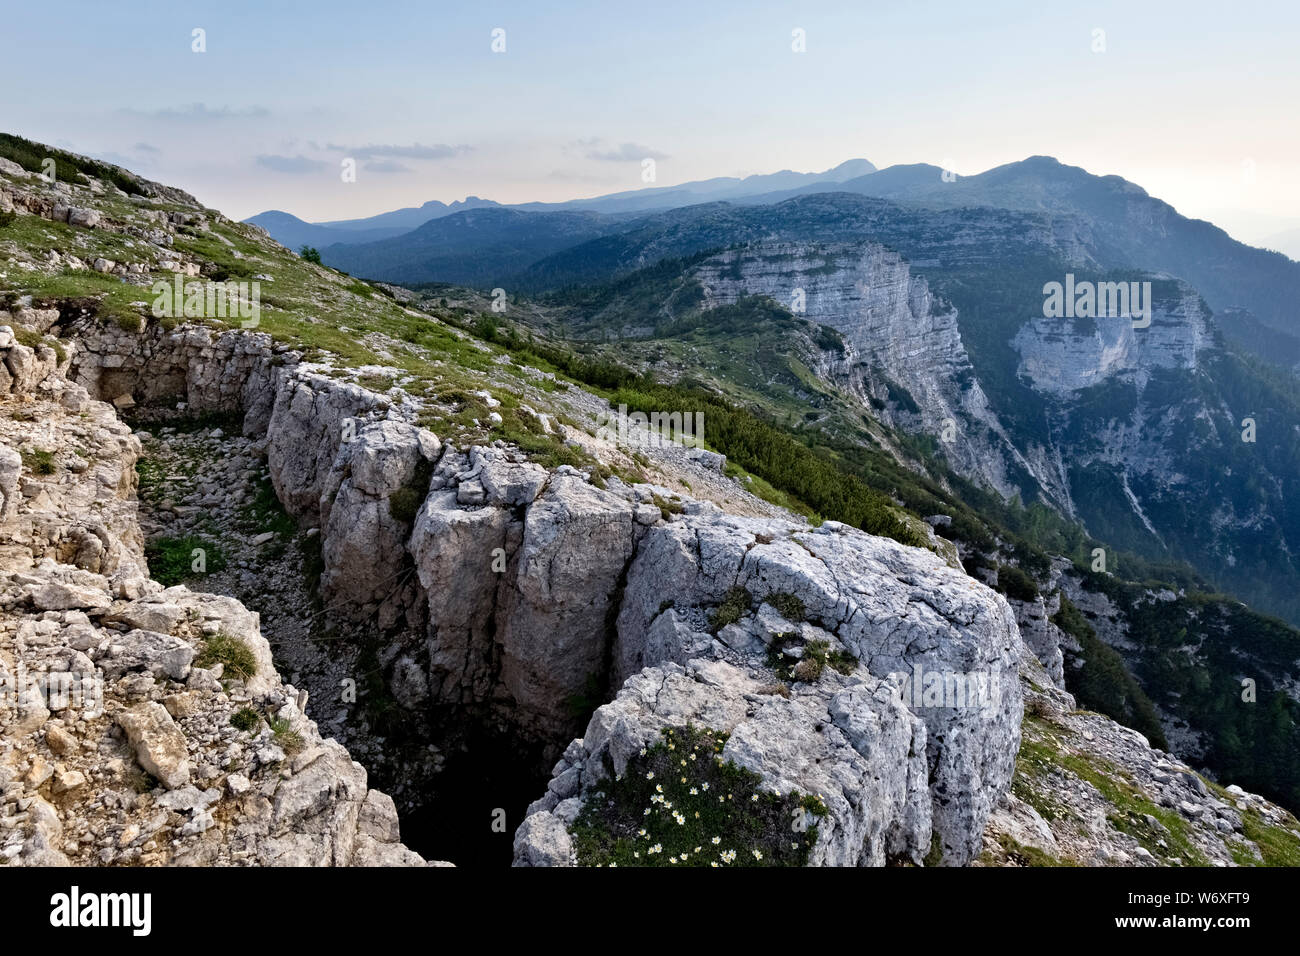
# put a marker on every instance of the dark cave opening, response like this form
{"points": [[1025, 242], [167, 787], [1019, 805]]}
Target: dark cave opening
{"points": [[471, 809]]}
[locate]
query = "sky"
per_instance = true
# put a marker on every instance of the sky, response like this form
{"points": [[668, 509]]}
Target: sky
{"points": [[1195, 102]]}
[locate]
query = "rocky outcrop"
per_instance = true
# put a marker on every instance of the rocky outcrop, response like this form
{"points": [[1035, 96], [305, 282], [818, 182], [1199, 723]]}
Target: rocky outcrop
{"points": [[851, 741], [527, 591], [831, 658], [505, 586], [1043, 638], [364, 528], [1090, 792], [579, 598], [143, 725]]}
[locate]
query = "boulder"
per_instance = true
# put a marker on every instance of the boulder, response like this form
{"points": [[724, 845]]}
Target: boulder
{"points": [[158, 745]]}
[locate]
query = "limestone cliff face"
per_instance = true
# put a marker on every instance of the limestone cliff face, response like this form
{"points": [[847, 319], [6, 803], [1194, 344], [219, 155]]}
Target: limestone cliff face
{"points": [[116, 746], [898, 334], [1155, 431], [1064, 356], [1126, 425], [540, 586]]}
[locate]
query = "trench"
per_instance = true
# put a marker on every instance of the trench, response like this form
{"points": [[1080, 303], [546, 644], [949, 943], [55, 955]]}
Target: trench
{"points": [[460, 776]]}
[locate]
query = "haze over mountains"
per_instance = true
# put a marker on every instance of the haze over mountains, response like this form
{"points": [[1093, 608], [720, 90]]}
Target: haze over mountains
{"points": [[1121, 223], [293, 232]]}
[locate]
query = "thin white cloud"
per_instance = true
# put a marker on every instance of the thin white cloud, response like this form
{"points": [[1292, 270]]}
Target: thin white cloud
{"points": [[386, 166], [414, 151], [623, 153], [198, 111], [294, 165]]}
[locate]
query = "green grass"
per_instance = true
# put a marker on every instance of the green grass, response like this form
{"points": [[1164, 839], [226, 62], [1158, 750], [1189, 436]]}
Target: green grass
{"points": [[681, 804], [1278, 846], [288, 740], [233, 654], [150, 475], [31, 338], [39, 462], [735, 603], [1041, 751], [171, 559], [246, 719], [265, 513], [1023, 855]]}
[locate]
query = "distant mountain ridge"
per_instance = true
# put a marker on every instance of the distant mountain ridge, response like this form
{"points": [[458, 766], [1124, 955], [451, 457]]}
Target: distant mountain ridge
{"points": [[290, 231], [475, 247], [411, 217], [1117, 224], [293, 233], [1170, 401]]}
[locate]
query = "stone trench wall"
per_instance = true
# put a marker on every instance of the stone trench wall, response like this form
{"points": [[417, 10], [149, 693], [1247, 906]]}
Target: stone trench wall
{"points": [[529, 590], [118, 743]]}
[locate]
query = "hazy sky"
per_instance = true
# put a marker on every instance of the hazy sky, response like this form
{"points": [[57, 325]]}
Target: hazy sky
{"points": [[1196, 102]]}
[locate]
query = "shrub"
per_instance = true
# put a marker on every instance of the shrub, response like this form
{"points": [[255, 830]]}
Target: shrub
{"points": [[817, 656], [789, 606], [245, 719], [811, 665], [6, 218], [667, 507], [404, 504], [31, 156], [171, 560], [732, 609], [842, 661], [128, 320], [1015, 583], [39, 461], [288, 740], [234, 655], [309, 254]]}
